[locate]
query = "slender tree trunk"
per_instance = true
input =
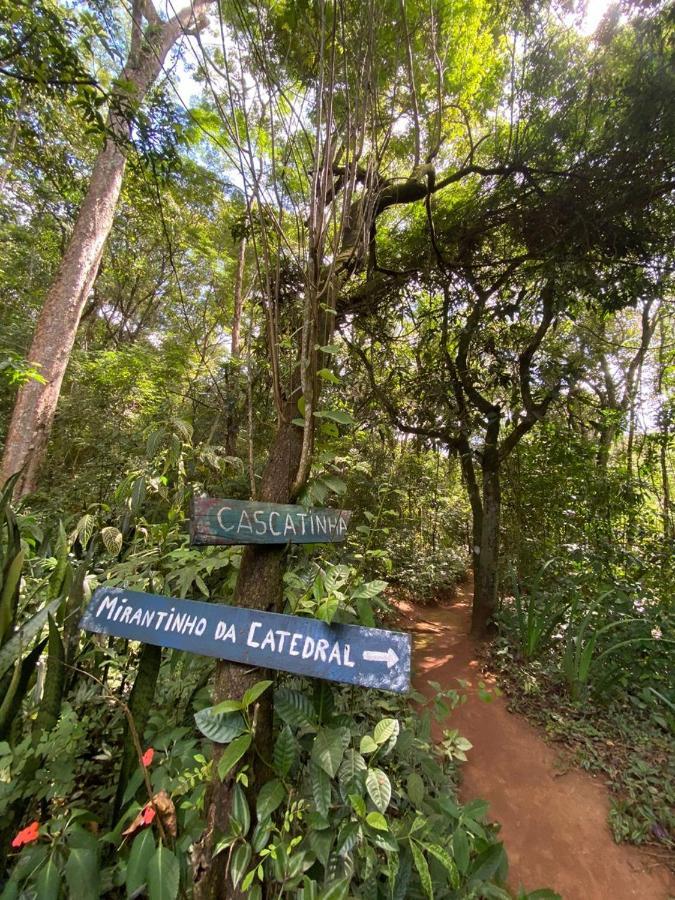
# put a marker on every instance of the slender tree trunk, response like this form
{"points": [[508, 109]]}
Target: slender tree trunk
{"points": [[259, 586], [473, 492], [485, 596], [57, 325], [487, 574]]}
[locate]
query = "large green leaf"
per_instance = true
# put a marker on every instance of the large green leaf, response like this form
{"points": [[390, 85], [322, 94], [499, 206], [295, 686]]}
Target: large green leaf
{"points": [[460, 849], [221, 728], [321, 791], [163, 875], [415, 788], [48, 882], [422, 869], [294, 708], [328, 750], [252, 694], [9, 587], [379, 788], [352, 772], [233, 753], [241, 856], [270, 797], [337, 890], [142, 851], [20, 640], [82, 873], [285, 751], [444, 858], [385, 730]]}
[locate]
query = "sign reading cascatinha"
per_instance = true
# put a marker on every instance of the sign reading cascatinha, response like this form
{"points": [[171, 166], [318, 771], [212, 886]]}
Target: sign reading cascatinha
{"points": [[371, 657], [249, 522]]}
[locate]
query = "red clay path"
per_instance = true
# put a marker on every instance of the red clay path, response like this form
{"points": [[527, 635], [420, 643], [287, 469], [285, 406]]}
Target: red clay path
{"points": [[554, 826]]}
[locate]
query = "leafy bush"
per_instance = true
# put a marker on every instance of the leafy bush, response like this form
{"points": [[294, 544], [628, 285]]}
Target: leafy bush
{"points": [[361, 803]]}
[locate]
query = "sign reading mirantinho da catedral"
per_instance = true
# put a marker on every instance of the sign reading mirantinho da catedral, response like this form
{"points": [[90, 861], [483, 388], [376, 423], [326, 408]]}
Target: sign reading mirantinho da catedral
{"points": [[370, 657], [249, 522]]}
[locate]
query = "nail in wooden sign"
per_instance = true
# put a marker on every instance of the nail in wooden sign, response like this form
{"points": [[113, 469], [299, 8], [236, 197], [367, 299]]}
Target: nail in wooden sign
{"points": [[369, 657], [249, 522]]}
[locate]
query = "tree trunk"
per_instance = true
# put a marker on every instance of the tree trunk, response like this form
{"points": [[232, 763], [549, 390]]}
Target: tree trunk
{"points": [[56, 329], [487, 576], [473, 492], [259, 586], [57, 325]]}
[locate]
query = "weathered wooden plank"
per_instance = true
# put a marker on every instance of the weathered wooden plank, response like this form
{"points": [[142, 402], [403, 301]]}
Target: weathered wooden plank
{"points": [[249, 522], [369, 657]]}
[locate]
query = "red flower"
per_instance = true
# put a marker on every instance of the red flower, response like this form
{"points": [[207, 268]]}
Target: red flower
{"points": [[147, 757], [27, 835], [148, 813]]}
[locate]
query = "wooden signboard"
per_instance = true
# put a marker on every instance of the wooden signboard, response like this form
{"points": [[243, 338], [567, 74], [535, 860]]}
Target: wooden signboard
{"points": [[250, 522], [370, 657]]}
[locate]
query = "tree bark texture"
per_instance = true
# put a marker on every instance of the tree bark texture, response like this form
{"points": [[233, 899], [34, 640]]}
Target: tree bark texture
{"points": [[56, 329]]}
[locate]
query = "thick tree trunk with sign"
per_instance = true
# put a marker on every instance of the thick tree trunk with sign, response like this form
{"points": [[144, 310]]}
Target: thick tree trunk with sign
{"points": [[56, 329]]}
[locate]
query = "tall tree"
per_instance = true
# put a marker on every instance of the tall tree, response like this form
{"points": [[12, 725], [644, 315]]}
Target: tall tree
{"points": [[151, 40]]}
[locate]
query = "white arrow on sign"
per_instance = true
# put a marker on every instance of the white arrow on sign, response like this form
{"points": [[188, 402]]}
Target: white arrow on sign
{"points": [[389, 657]]}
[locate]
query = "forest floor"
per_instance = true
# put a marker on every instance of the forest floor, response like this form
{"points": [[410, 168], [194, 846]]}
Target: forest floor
{"points": [[553, 819]]}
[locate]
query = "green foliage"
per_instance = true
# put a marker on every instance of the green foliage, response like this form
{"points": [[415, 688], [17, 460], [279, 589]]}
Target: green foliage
{"points": [[334, 821]]}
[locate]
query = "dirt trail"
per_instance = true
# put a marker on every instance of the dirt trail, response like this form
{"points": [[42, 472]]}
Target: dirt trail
{"points": [[554, 826]]}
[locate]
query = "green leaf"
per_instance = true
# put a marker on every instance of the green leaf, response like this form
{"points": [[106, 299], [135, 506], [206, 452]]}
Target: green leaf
{"points": [[448, 863], [252, 694], [84, 529], [415, 788], [321, 791], [460, 850], [270, 797], [163, 875], [422, 869], [142, 851], [48, 882], [337, 890], [241, 856], [227, 706], [24, 636], [358, 804], [385, 730], [221, 728], [285, 751], [351, 773], [377, 820], [379, 788], [82, 873], [233, 753], [241, 814], [348, 837], [488, 862], [112, 539], [327, 375], [367, 744], [336, 415], [337, 485], [294, 708], [369, 590], [328, 750], [12, 579]]}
